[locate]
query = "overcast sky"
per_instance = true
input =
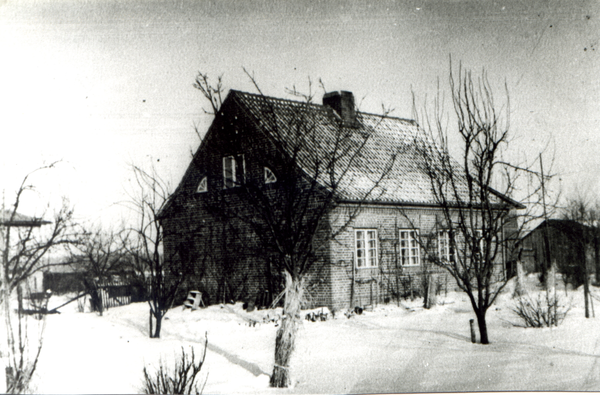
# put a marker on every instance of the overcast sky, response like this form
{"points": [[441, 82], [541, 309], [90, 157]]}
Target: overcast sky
{"points": [[101, 85]]}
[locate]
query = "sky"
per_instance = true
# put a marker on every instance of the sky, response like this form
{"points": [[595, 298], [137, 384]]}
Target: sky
{"points": [[104, 85]]}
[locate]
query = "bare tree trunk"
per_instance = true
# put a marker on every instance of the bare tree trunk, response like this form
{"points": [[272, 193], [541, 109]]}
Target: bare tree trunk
{"points": [[597, 258], [158, 317], [586, 289], [430, 297], [286, 335], [483, 335], [520, 285]]}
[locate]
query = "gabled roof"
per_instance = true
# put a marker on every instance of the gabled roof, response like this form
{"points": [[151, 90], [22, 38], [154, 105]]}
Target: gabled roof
{"points": [[566, 226], [7, 218], [388, 137]]}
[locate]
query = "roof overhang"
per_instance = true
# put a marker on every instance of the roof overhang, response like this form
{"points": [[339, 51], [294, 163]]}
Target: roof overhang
{"points": [[418, 204], [13, 219]]}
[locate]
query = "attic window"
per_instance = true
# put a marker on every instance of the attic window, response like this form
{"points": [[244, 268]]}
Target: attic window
{"points": [[234, 170], [269, 176], [202, 186]]}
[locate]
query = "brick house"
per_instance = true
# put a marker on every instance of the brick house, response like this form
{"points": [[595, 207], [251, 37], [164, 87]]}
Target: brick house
{"points": [[379, 252]]}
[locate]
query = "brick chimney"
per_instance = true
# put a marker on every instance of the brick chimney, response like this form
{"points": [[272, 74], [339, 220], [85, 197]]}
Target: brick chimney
{"points": [[343, 103]]}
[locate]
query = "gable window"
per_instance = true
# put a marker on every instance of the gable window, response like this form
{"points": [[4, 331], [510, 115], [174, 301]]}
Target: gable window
{"points": [[233, 171], [269, 176], [445, 247], [409, 247], [366, 248], [202, 186]]}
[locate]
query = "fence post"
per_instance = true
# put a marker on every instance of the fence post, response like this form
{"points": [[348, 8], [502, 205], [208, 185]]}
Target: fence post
{"points": [[472, 325]]}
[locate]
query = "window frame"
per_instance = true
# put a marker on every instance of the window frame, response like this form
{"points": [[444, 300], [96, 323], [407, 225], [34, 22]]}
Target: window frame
{"points": [[413, 251], [202, 185], [482, 242], [269, 176], [445, 251], [236, 170], [370, 260]]}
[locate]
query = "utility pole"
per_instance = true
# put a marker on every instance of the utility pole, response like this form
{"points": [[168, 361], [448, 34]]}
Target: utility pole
{"points": [[550, 275]]}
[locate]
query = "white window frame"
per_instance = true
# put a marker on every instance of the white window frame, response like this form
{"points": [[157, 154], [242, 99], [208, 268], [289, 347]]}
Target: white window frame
{"points": [[410, 251], [232, 169], [270, 176], [479, 235], [365, 248], [202, 185], [444, 246]]}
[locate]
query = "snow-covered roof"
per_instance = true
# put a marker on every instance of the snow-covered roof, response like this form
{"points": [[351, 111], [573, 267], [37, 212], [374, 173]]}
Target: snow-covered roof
{"points": [[390, 148]]}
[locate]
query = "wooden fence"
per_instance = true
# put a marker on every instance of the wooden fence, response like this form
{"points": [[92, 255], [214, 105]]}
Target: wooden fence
{"points": [[116, 293]]}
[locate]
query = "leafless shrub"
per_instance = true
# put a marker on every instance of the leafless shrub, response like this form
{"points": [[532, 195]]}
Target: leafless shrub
{"points": [[543, 311], [180, 380], [23, 355]]}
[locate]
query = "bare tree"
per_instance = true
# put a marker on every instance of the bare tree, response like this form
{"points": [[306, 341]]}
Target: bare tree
{"points": [[582, 228], [25, 242], [479, 224], [161, 274], [98, 257], [290, 217], [160, 279]]}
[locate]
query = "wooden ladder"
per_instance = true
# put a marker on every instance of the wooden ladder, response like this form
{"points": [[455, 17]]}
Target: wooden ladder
{"points": [[194, 300]]}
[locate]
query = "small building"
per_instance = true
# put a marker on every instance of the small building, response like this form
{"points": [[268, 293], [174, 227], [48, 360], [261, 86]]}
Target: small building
{"points": [[12, 219], [377, 257], [568, 243]]}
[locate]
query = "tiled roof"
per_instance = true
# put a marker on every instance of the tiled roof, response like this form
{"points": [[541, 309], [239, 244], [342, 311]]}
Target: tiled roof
{"points": [[384, 138], [8, 219]]}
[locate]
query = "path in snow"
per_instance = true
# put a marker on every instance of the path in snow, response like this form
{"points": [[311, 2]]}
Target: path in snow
{"points": [[389, 350]]}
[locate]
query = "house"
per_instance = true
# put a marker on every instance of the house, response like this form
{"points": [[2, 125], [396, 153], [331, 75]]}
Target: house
{"points": [[12, 219], [569, 244], [384, 205]]}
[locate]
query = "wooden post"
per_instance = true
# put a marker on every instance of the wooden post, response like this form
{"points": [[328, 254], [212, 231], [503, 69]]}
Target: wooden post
{"points": [[20, 298], [520, 285], [472, 325], [352, 285]]}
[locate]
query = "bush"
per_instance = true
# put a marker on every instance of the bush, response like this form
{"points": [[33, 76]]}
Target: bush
{"points": [[544, 311], [181, 380]]}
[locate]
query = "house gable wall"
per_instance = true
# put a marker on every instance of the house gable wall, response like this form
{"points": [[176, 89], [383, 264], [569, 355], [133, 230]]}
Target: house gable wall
{"points": [[228, 263], [231, 262]]}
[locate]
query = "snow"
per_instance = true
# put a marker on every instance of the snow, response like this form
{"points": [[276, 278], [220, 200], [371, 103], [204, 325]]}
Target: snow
{"points": [[394, 348]]}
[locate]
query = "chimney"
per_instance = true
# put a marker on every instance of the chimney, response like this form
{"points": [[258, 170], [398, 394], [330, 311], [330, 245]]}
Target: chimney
{"points": [[343, 103]]}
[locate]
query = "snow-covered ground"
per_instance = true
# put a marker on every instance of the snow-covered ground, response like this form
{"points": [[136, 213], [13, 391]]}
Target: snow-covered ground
{"points": [[390, 349]]}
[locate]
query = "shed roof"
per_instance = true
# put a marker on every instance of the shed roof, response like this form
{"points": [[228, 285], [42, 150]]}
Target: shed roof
{"points": [[10, 218]]}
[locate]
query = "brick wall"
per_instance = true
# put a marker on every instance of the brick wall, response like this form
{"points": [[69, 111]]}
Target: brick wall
{"points": [[390, 279]]}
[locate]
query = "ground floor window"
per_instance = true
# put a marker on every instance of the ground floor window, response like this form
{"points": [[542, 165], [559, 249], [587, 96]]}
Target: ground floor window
{"points": [[366, 248], [409, 247], [445, 246]]}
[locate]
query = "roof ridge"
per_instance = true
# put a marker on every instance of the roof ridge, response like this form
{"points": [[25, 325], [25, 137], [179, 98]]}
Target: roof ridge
{"points": [[320, 106]]}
